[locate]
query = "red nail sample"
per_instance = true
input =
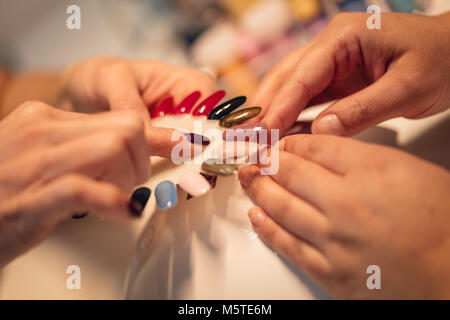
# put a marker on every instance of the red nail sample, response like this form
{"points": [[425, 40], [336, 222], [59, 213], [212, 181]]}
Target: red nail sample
{"points": [[207, 105], [164, 107], [187, 103]]}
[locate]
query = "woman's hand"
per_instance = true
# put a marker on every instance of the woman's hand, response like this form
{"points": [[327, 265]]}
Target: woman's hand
{"points": [[400, 70], [55, 163], [336, 206], [101, 84]]}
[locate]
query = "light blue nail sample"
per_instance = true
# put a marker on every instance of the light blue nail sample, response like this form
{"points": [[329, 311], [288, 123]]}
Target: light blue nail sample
{"points": [[166, 195]]}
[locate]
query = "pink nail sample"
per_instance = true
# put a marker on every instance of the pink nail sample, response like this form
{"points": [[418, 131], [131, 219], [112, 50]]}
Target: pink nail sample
{"points": [[206, 106], [194, 184], [186, 105], [164, 107], [244, 132]]}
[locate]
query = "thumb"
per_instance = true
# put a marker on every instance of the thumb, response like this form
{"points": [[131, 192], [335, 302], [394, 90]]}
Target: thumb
{"points": [[383, 100]]}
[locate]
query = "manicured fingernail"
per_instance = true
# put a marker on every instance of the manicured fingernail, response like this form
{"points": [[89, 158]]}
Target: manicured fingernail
{"points": [[243, 132], [215, 166], [138, 200], [197, 139], [80, 215], [256, 217], [164, 107], [226, 108], [238, 117], [205, 107], [187, 103], [194, 184], [166, 195], [299, 127], [328, 124]]}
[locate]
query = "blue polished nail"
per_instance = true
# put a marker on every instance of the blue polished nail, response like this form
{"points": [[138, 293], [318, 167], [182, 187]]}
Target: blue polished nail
{"points": [[166, 195]]}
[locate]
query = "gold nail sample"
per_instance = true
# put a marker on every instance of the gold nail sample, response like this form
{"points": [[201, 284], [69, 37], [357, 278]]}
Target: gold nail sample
{"points": [[238, 117], [214, 166]]}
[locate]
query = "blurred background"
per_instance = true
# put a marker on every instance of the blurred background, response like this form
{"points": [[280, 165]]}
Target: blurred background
{"points": [[237, 40]]}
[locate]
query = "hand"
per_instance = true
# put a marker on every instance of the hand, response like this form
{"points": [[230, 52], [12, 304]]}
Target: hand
{"points": [[337, 206], [101, 84], [400, 70], [55, 163]]}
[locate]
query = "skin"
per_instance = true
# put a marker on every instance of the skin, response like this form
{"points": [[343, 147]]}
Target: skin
{"points": [[375, 75], [107, 83], [333, 216], [55, 163], [343, 205]]}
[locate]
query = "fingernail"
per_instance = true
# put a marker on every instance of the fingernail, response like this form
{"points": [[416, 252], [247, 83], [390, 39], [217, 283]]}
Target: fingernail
{"points": [[256, 217], [206, 106], [197, 139], [187, 103], [166, 195], [217, 167], [226, 108], [243, 132], [164, 107], [138, 201], [80, 215], [299, 127], [194, 184], [328, 124], [246, 176], [238, 117]]}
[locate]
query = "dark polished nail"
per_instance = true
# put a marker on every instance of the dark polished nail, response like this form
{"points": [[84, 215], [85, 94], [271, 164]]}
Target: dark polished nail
{"points": [[164, 107], [187, 104], [238, 117], [80, 215], [205, 107], [197, 139], [210, 178], [226, 108], [138, 201], [299, 127]]}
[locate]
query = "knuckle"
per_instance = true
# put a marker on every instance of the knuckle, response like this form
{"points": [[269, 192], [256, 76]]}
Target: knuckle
{"points": [[72, 187], [32, 109]]}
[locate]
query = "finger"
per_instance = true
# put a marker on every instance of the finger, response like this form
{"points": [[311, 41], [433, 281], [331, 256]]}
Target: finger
{"points": [[387, 98], [305, 179], [162, 142], [291, 212], [335, 154], [71, 193], [309, 259], [160, 79], [128, 122], [272, 82], [310, 76], [120, 88], [103, 155]]}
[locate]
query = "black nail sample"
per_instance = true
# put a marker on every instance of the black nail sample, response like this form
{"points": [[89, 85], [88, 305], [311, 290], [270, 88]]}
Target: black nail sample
{"points": [[197, 139], [138, 200], [80, 215], [226, 108]]}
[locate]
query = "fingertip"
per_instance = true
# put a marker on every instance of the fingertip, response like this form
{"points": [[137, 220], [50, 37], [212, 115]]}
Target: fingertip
{"points": [[257, 216]]}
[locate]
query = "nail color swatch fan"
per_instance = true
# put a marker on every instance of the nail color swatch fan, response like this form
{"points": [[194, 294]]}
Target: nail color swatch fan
{"points": [[204, 247]]}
